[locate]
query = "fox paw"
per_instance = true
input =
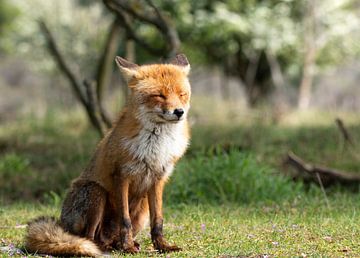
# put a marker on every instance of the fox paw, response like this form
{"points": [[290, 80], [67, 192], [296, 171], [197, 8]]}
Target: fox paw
{"points": [[164, 247], [128, 248], [131, 249], [169, 248], [137, 245]]}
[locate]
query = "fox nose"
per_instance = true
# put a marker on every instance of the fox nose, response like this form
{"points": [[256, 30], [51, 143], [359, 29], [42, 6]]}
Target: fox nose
{"points": [[179, 112]]}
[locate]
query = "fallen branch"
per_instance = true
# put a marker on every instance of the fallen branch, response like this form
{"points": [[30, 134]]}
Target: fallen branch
{"points": [[328, 176]]}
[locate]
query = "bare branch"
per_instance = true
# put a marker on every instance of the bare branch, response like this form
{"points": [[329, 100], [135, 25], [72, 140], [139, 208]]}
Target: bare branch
{"points": [[132, 35], [123, 19], [104, 116], [157, 11], [87, 98], [91, 107], [123, 8], [146, 18], [168, 30], [59, 59]]}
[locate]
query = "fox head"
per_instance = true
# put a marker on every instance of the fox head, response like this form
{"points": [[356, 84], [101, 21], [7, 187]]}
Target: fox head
{"points": [[160, 93]]}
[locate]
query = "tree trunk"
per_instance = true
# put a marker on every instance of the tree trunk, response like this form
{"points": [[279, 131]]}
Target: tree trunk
{"points": [[276, 73], [224, 80], [305, 87], [250, 76], [225, 87]]}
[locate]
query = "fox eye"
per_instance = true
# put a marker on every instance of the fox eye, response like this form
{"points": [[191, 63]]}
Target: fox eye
{"points": [[183, 94], [161, 96]]}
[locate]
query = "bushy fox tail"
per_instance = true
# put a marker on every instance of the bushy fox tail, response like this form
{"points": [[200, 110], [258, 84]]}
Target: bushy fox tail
{"points": [[46, 236]]}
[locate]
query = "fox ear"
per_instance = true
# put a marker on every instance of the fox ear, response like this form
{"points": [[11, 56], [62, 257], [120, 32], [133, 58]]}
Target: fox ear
{"points": [[128, 69], [182, 61]]}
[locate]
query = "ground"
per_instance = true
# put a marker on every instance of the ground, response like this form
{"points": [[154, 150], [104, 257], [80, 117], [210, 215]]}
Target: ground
{"points": [[228, 196]]}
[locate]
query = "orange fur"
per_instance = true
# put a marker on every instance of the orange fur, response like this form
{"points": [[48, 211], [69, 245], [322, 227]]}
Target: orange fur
{"points": [[109, 203]]}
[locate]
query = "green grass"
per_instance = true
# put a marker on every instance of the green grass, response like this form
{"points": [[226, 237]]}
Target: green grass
{"points": [[303, 227], [228, 178], [228, 196], [320, 144]]}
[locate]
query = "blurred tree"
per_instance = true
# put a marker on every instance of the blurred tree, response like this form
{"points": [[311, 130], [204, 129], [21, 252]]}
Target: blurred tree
{"points": [[250, 40], [331, 35], [125, 16], [267, 44]]}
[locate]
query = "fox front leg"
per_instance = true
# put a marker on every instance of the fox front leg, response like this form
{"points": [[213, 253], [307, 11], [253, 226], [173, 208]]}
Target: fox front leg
{"points": [[156, 218], [127, 243]]}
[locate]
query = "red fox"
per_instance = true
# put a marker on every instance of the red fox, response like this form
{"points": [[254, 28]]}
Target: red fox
{"points": [[109, 203]]}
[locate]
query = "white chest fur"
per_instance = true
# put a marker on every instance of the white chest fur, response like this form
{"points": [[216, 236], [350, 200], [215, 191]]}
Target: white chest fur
{"points": [[154, 149]]}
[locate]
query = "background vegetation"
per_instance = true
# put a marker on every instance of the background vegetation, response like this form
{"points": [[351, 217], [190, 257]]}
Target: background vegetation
{"points": [[268, 77]]}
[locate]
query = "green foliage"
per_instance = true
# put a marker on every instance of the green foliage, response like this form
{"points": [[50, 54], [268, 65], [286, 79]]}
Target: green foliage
{"points": [[12, 163], [210, 31], [241, 37], [313, 136], [14, 171], [8, 14], [233, 177], [233, 34], [39, 158], [53, 199], [337, 28]]}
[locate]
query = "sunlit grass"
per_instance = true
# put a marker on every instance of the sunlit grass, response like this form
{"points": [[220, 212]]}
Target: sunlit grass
{"points": [[299, 228]]}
